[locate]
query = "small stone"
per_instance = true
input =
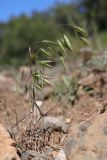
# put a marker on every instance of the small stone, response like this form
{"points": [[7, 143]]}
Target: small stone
{"points": [[7, 149], [67, 120], [54, 123], [61, 155], [54, 153], [31, 154]]}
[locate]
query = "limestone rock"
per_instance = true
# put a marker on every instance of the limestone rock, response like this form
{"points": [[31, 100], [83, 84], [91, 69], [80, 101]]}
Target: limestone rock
{"points": [[54, 123], [88, 140], [7, 150]]}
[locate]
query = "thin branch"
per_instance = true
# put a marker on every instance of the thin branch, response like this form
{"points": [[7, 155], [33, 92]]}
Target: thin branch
{"points": [[34, 102], [46, 113], [21, 119]]}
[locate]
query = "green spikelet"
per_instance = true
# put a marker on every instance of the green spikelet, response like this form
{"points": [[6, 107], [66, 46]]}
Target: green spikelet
{"points": [[80, 30], [84, 40], [45, 52], [45, 63], [67, 43], [63, 62], [61, 45]]}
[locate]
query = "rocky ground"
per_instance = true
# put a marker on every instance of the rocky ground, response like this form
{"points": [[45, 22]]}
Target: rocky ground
{"points": [[72, 131]]}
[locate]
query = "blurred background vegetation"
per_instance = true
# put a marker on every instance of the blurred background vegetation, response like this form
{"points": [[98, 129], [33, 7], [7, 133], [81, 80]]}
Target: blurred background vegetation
{"points": [[19, 32]]}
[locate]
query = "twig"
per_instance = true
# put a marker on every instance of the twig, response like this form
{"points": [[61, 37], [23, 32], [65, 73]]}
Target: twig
{"points": [[29, 114], [22, 119], [45, 114], [34, 103]]}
